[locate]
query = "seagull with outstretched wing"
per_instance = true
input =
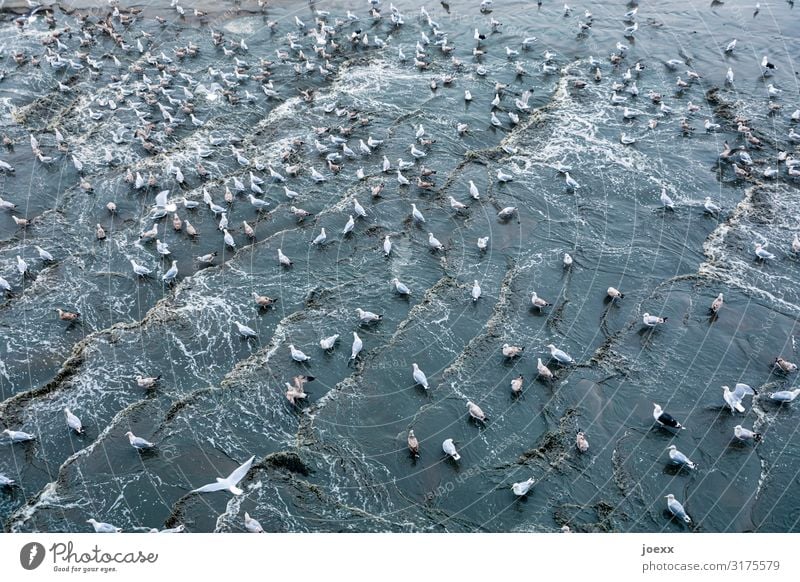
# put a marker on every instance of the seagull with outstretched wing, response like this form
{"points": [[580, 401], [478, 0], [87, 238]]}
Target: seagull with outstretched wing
{"points": [[230, 481]]}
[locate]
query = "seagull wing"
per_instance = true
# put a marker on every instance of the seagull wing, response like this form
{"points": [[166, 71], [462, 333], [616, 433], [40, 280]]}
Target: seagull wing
{"points": [[239, 473], [741, 390], [161, 198], [218, 486]]}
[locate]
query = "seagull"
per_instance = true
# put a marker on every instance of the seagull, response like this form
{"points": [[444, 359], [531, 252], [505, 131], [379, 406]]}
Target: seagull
{"points": [[543, 370], [327, 343], [476, 291], [676, 509], [244, 331], [101, 527], [257, 203], [744, 434], [784, 395], [283, 259], [171, 275], [147, 382], [581, 443], [348, 228], [710, 207], [358, 209], [297, 355], [653, 320], [251, 524], [561, 357], [419, 376], [572, 184], [228, 483], [43, 254], [678, 458], [614, 293], [22, 266], [417, 214], [367, 316], [73, 421], [413, 443], [450, 449], [67, 315], [734, 399], [716, 305], [762, 253], [520, 489], [401, 288], [567, 260], [785, 365], [538, 302], [357, 346], [18, 436], [666, 201], [516, 384], [503, 177], [138, 442], [507, 212], [731, 46], [665, 419], [483, 242], [475, 411], [510, 351], [387, 246], [434, 243], [5, 481], [456, 205], [473, 190]]}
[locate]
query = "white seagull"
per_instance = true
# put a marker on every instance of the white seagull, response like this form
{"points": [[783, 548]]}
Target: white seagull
{"points": [[297, 355], [358, 345], [676, 509], [522, 487], [419, 376], [678, 458], [653, 320], [251, 524], [450, 449], [245, 331], [230, 482], [744, 434], [734, 399], [101, 527], [327, 343], [783, 396], [73, 421], [138, 442], [561, 357], [476, 290]]}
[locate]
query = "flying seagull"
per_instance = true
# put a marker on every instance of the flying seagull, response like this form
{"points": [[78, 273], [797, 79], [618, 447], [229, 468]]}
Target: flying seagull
{"points": [[228, 483]]}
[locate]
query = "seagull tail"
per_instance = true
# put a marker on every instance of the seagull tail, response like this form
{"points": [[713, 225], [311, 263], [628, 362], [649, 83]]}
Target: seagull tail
{"points": [[235, 490], [456, 456], [739, 408], [757, 437]]}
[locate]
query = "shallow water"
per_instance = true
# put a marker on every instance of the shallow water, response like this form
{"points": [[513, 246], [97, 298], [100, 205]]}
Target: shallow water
{"points": [[339, 461]]}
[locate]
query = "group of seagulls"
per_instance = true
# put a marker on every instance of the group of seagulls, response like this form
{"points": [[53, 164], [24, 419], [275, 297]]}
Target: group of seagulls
{"points": [[162, 99]]}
